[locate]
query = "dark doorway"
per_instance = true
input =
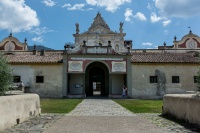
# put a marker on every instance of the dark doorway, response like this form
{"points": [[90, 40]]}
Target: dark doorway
{"points": [[97, 80]]}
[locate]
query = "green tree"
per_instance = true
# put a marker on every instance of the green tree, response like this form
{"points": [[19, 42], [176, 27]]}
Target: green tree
{"points": [[5, 75]]}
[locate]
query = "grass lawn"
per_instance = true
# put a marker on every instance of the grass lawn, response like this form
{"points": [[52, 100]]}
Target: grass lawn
{"points": [[58, 105], [141, 106]]}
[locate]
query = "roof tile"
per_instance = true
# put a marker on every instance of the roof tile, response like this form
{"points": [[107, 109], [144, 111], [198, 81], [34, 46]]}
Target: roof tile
{"points": [[164, 58], [30, 58]]}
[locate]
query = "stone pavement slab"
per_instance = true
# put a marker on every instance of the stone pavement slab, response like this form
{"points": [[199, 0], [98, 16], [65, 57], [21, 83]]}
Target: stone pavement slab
{"points": [[99, 107], [102, 116], [104, 124]]}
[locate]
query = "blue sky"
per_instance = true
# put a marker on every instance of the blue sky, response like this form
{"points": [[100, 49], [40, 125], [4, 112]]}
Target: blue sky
{"points": [[51, 23]]}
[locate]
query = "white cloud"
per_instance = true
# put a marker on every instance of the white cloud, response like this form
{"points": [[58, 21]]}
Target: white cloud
{"points": [[155, 18], [140, 16], [89, 9], [128, 14], [166, 22], [66, 5], [49, 3], [16, 16], [76, 7], [38, 39], [92, 2], [147, 44], [166, 32], [110, 5], [40, 31], [178, 8], [149, 6]]}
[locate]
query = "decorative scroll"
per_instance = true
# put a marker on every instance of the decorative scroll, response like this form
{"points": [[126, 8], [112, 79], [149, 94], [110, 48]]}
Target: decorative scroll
{"points": [[118, 66], [76, 66]]}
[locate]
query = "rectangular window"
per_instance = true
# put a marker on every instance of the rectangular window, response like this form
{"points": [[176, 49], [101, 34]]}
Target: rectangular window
{"points": [[175, 79], [16, 79], [195, 79], [39, 79], [153, 79]]}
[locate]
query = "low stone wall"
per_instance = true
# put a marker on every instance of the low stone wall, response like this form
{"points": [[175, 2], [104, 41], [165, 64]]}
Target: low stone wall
{"points": [[15, 109], [182, 106]]}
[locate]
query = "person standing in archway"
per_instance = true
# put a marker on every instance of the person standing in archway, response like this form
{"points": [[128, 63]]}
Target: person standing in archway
{"points": [[124, 92]]}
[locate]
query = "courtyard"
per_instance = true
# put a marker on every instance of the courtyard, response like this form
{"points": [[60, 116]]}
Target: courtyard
{"points": [[102, 111]]}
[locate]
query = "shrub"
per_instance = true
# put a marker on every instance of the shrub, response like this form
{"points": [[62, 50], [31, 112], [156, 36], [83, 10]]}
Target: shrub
{"points": [[5, 75]]}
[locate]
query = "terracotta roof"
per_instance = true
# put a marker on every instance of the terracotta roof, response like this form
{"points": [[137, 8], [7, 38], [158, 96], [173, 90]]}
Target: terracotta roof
{"points": [[30, 58], [164, 58]]}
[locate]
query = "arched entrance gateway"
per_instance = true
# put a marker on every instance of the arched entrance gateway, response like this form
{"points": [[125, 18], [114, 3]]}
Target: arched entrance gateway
{"points": [[98, 62], [97, 80]]}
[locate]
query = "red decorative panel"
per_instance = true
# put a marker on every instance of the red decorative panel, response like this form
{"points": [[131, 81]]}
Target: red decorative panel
{"points": [[2, 48], [17, 47], [198, 44], [183, 45]]}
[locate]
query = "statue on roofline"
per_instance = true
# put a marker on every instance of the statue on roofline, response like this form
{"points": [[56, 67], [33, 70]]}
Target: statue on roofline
{"points": [[121, 27], [77, 28]]}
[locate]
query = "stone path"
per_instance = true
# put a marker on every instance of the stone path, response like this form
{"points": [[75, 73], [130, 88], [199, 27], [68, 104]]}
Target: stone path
{"points": [[100, 116], [99, 107]]}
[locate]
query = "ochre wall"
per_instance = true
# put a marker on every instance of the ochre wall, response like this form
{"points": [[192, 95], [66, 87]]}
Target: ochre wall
{"points": [[53, 77], [141, 72], [76, 79], [117, 84]]}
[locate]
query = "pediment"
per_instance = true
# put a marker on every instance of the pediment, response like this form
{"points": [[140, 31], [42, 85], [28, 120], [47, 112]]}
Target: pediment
{"points": [[11, 44], [188, 40]]}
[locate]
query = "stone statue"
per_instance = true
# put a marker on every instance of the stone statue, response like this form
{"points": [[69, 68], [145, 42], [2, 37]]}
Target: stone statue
{"points": [[121, 27], [77, 28]]}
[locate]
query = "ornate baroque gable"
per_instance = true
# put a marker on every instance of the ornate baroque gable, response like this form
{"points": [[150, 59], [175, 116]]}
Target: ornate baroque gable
{"points": [[11, 43], [190, 41], [99, 25], [100, 35]]}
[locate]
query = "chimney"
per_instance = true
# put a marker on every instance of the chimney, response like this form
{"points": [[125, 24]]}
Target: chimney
{"points": [[34, 50], [42, 52]]}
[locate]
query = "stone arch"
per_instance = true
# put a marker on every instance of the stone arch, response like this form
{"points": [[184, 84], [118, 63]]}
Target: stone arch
{"points": [[97, 74]]}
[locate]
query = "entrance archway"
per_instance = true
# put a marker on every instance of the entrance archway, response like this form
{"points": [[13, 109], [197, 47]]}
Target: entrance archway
{"points": [[97, 80]]}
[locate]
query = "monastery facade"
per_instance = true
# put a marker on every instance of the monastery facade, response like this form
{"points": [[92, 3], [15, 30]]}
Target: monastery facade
{"points": [[100, 62]]}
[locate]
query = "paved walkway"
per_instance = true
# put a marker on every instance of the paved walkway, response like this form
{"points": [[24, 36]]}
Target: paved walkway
{"points": [[99, 116], [102, 116]]}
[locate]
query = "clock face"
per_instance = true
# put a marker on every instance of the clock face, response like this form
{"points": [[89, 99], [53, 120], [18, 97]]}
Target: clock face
{"points": [[191, 43], [10, 47]]}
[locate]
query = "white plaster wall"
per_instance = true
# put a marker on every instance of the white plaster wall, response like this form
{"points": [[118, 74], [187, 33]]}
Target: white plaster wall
{"points": [[76, 79], [53, 76], [22, 107], [142, 88], [182, 106], [117, 84], [25, 71]]}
